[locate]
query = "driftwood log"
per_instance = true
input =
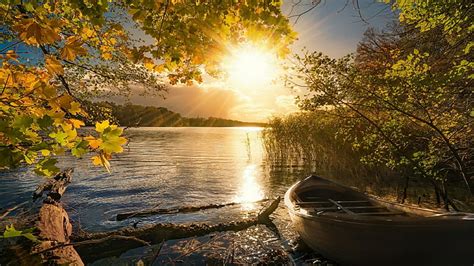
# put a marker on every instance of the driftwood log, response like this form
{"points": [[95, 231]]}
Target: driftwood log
{"points": [[53, 226], [94, 246], [155, 211]]}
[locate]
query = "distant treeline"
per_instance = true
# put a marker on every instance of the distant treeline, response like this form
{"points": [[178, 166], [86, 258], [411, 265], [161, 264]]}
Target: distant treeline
{"points": [[150, 116]]}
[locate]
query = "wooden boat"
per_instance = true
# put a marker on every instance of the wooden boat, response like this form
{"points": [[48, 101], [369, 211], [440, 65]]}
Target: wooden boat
{"points": [[352, 228]]}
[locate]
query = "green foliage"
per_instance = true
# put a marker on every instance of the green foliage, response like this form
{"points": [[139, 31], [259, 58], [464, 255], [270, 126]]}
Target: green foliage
{"points": [[10, 232], [404, 99]]}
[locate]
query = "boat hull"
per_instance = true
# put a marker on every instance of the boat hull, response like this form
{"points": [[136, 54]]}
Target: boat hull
{"points": [[352, 240]]}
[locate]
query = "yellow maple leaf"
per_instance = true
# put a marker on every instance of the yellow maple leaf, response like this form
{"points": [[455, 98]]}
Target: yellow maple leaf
{"points": [[159, 68], [30, 82], [48, 92], [87, 32], [93, 142], [53, 65], [101, 160], [76, 123], [73, 48], [75, 108], [148, 63], [100, 127], [107, 56], [45, 31], [96, 160], [64, 101]]}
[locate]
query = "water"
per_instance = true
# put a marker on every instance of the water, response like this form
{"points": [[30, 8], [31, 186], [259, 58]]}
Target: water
{"points": [[173, 167]]}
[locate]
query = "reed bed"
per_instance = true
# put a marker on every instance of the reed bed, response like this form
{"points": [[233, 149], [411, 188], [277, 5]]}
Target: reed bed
{"points": [[310, 140]]}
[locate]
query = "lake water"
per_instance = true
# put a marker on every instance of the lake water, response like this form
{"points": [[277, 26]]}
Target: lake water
{"points": [[174, 167]]}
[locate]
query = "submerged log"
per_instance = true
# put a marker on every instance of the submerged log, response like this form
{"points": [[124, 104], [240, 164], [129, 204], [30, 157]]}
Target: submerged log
{"points": [[155, 211], [156, 233], [53, 225]]}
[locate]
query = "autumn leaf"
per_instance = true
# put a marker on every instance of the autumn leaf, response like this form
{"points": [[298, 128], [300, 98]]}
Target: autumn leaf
{"points": [[159, 68], [38, 33], [53, 65], [87, 32], [148, 63], [101, 160], [100, 127], [96, 160], [64, 101], [93, 142], [73, 48], [76, 123], [80, 148], [60, 137], [75, 108], [107, 56], [113, 144]]}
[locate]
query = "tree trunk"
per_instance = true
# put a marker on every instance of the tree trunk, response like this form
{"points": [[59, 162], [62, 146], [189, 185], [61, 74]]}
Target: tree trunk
{"points": [[405, 189], [53, 225]]}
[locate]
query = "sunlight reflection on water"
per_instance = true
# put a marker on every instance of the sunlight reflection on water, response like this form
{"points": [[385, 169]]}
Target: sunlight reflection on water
{"points": [[250, 189], [166, 167]]}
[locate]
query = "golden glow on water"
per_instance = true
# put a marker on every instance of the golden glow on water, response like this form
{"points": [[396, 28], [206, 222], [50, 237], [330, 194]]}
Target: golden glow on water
{"points": [[250, 189], [252, 129]]}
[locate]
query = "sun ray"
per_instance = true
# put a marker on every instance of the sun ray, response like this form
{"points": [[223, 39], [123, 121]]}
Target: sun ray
{"points": [[250, 67]]}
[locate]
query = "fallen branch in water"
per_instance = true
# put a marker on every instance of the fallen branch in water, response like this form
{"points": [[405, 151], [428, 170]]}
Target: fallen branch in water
{"points": [[150, 212], [9, 210], [157, 233]]}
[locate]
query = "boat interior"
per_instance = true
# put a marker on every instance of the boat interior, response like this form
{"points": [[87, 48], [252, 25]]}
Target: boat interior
{"points": [[320, 196]]}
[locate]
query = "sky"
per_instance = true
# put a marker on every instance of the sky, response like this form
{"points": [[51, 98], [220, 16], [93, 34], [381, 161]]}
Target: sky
{"points": [[331, 28]]}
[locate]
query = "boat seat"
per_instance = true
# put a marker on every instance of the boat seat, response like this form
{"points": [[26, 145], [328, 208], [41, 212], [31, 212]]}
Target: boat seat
{"points": [[312, 202], [328, 202], [366, 207], [381, 213], [344, 205]]}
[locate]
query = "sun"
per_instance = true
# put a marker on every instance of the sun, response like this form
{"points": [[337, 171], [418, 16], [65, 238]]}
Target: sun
{"points": [[249, 66]]}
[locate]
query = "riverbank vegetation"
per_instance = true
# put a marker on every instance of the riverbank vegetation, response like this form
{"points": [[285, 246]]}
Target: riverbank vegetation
{"points": [[398, 113]]}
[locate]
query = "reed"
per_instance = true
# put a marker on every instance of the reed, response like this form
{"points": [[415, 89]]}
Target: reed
{"points": [[312, 140]]}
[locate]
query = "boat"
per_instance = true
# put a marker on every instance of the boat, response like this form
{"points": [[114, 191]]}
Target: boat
{"points": [[352, 228]]}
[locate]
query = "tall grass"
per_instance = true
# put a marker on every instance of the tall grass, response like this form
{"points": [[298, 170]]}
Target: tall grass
{"points": [[311, 140]]}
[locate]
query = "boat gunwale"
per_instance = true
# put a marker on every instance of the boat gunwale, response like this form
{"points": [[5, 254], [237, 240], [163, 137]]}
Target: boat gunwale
{"points": [[438, 218]]}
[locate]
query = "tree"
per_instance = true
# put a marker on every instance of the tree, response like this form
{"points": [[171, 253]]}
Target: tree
{"points": [[406, 96], [75, 48]]}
